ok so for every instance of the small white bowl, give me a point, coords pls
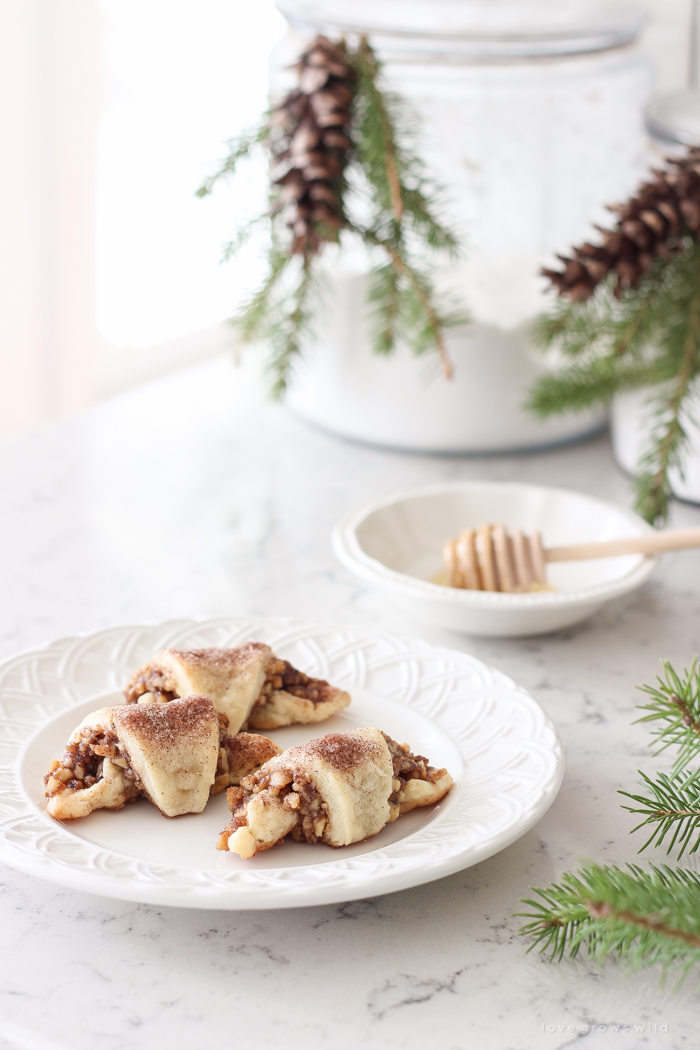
(397, 544)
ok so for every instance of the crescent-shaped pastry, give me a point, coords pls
(175, 754)
(249, 684)
(93, 773)
(338, 789)
(240, 755)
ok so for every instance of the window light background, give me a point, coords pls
(179, 79)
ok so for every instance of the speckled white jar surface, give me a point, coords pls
(532, 128)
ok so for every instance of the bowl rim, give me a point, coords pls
(350, 553)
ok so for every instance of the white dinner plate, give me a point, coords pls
(499, 746)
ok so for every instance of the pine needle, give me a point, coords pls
(419, 316)
(376, 135)
(673, 806)
(253, 317)
(386, 150)
(584, 384)
(385, 296)
(644, 917)
(238, 149)
(669, 437)
(646, 337)
(286, 334)
(674, 711)
(281, 311)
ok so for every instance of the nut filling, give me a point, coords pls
(298, 795)
(81, 765)
(338, 789)
(153, 679)
(222, 781)
(281, 676)
(408, 766)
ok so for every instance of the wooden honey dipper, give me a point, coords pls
(488, 559)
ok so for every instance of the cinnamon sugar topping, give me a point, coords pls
(344, 751)
(158, 724)
(223, 659)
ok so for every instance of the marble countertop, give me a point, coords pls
(191, 496)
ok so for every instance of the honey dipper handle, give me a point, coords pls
(652, 543)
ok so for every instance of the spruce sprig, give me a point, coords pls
(672, 807)
(287, 326)
(239, 149)
(644, 917)
(403, 202)
(643, 337)
(674, 713)
(386, 150)
(386, 201)
(385, 296)
(411, 309)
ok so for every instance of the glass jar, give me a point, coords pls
(531, 118)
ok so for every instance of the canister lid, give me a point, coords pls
(475, 28)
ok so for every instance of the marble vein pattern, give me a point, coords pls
(192, 496)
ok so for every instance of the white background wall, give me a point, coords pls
(111, 112)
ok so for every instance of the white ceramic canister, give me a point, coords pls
(531, 118)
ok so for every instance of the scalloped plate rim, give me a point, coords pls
(224, 893)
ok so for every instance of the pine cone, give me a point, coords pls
(654, 223)
(310, 149)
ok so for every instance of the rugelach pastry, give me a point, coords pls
(174, 754)
(338, 789)
(249, 684)
(240, 755)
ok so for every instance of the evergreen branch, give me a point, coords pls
(573, 327)
(368, 69)
(278, 314)
(638, 315)
(674, 707)
(242, 236)
(653, 485)
(582, 385)
(617, 326)
(286, 335)
(420, 210)
(393, 171)
(365, 149)
(423, 296)
(644, 336)
(646, 917)
(238, 149)
(384, 294)
(253, 317)
(673, 805)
